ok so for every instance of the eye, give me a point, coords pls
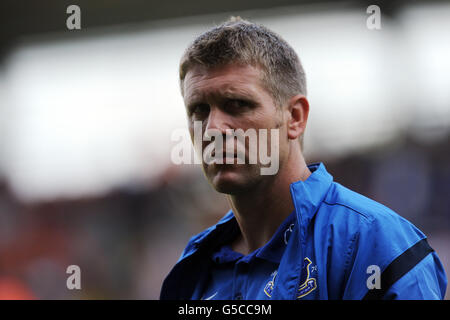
(199, 110)
(236, 104)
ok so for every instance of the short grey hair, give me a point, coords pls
(240, 41)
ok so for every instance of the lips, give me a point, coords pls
(235, 154)
(225, 157)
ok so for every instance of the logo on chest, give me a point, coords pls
(269, 286)
(309, 284)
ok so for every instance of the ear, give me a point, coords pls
(298, 109)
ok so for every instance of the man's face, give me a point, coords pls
(232, 97)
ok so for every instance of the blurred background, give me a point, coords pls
(86, 118)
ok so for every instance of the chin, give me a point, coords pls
(228, 187)
(231, 181)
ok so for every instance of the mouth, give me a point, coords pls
(220, 156)
(227, 159)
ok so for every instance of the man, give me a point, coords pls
(294, 234)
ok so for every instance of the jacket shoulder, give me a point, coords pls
(350, 206)
(369, 233)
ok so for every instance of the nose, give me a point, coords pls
(217, 121)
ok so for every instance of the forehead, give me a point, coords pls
(202, 82)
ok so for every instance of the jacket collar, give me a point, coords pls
(227, 222)
(306, 195)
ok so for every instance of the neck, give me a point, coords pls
(260, 212)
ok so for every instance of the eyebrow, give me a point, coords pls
(231, 93)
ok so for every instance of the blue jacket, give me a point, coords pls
(344, 246)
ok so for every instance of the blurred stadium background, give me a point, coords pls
(86, 118)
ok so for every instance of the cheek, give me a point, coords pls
(199, 144)
(261, 119)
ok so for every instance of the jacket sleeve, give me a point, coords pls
(391, 259)
(425, 281)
